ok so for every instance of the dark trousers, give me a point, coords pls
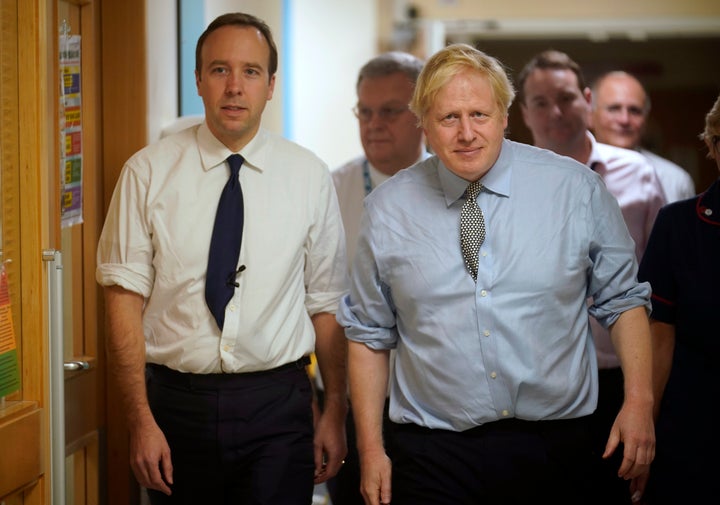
(512, 462)
(614, 490)
(241, 439)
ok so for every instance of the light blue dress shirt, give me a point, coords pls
(517, 343)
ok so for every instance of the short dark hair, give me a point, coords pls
(390, 63)
(239, 19)
(550, 59)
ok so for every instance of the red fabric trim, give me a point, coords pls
(663, 300)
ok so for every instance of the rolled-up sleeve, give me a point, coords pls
(367, 312)
(326, 268)
(125, 252)
(613, 283)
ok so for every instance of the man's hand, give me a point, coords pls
(375, 478)
(150, 457)
(330, 443)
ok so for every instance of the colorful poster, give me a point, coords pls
(9, 364)
(71, 161)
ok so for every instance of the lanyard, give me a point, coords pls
(366, 177)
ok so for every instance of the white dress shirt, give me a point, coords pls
(676, 182)
(156, 238)
(352, 188)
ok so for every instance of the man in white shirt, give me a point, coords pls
(620, 109)
(217, 399)
(389, 134)
(391, 141)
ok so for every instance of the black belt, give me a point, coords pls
(165, 375)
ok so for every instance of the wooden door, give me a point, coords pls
(27, 151)
(82, 349)
(30, 226)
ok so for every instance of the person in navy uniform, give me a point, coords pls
(681, 264)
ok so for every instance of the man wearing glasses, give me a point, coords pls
(389, 133)
(391, 141)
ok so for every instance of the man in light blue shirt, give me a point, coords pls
(495, 376)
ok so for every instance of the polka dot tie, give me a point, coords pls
(472, 228)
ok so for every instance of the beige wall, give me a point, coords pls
(671, 46)
(634, 20)
(563, 9)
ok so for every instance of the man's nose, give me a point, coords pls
(465, 129)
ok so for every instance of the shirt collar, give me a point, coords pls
(214, 153)
(496, 180)
(596, 156)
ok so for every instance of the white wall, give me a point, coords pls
(161, 33)
(332, 39)
(329, 41)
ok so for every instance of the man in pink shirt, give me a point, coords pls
(556, 107)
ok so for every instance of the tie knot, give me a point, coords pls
(235, 161)
(472, 190)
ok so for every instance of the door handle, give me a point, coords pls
(74, 366)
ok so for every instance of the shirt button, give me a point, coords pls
(505, 413)
(483, 254)
(231, 308)
(486, 333)
(483, 293)
(226, 348)
(493, 375)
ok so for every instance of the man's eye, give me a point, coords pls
(365, 113)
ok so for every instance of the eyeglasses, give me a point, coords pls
(385, 114)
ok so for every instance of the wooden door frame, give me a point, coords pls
(21, 413)
(124, 104)
(85, 395)
(35, 151)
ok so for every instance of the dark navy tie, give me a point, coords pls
(222, 268)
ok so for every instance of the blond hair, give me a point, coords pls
(711, 133)
(449, 62)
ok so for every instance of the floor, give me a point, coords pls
(320, 496)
